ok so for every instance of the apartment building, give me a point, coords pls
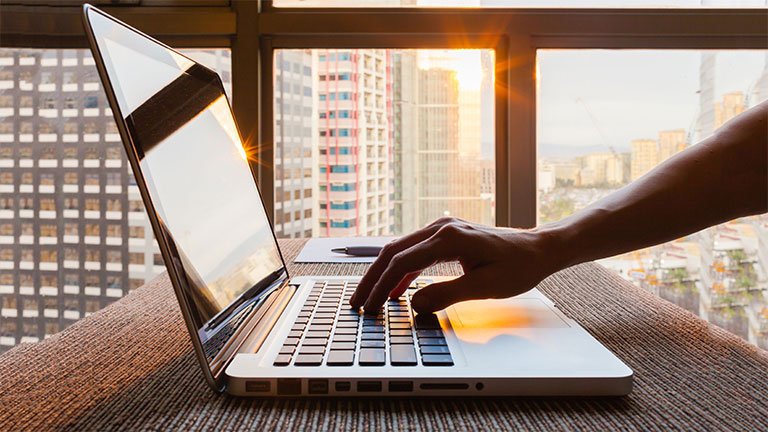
(296, 140)
(355, 175)
(74, 236)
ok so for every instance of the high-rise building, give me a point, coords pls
(295, 135)
(355, 194)
(731, 106)
(706, 118)
(74, 236)
(670, 143)
(601, 169)
(405, 75)
(645, 156)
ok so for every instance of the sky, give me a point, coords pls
(631, 94)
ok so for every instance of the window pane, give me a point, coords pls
(607, 117)
(381, 142)
(71, 218)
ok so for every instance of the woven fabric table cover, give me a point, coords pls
(131, 366)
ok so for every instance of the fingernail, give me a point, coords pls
(420, 303)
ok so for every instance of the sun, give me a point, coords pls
(469, 70)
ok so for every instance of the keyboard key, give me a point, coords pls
(302, 320)
(429, 333)
(372, 357)
(347, 324)
(318, 334)
(372, 336)
(319, 327)
(315, 341)
(344, 338)
(305, 314)
(294, 334)
(435, 349)
(399, 332)
(325, 309)
(398, 313)
(399, 319)
(399, 326)
(337, 346)
(311, 349)
(372, 344)
(308, 360)
(373, 329)
(287, 349)
(322, 321)
(282, 360)
(437, 360)
(428, 321)
(346, 331)
(402, 355)
(349, 311)
(401, 340)
(432, 341)
(291, 341)
(325, 315)
(341, 358)
(350, 318)
(372, 321)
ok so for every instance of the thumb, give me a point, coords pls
(440, 295)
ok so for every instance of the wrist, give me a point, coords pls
(555, 240)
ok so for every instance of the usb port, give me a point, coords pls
(369, 386)
(401, 386)
(318, 386)
(343, 386)
(257, 386)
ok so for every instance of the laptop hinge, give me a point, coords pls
(260, 322)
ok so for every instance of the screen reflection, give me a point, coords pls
(196, 171)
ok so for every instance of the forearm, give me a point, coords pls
(722, 178)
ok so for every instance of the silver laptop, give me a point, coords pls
(258, 332)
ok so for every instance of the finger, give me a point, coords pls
(440, 295)
(406, 282)
(412, 260)
(386, 254)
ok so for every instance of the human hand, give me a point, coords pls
(497, 263)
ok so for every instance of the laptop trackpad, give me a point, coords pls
(514, 313)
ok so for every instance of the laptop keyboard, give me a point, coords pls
(328, 332)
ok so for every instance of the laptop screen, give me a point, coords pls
(197, 174)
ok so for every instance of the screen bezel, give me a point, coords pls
(215, 378)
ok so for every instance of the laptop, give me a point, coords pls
(257, 331)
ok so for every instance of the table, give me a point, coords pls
(130, 366)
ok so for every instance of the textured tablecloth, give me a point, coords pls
(131, 366)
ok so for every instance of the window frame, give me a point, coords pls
(254, 29)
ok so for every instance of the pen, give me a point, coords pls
(363, 251)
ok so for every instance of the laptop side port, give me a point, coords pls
(444, 386)
(401, 386)
(343, 386)
(318, 386)
(288, 386)
(257, 386)
(369, 386)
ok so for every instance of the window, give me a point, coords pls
(70, 229)
(136, 232)
(137, 258)
(47, 205)
(92, 230)
(601, 152)
(48, 230)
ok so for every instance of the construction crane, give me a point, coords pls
(624, 162)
